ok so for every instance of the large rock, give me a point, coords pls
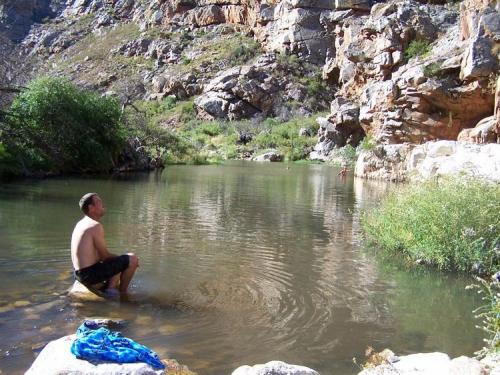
(413, 100)
(56, 359)
(269, 156)
(274, 368)
(432, 159)
(238, 93)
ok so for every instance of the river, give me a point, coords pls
(240, 263)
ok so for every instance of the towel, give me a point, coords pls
(95, 343)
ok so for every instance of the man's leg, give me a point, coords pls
(128, 273)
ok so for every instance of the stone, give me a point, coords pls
(466, 365)
(56, 359)
(79, 292)
(432, 159)
(272, 156)
(274, 368)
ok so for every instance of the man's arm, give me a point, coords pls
(100, 243)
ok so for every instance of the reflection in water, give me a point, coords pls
(240, 264)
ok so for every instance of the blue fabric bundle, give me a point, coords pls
(94, 343)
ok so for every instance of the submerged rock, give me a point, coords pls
(274, 368)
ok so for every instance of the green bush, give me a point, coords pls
(452, 224)
(417, 47)
(245, 51)
(53, 126)
(348, 154)
(433, 69)
(367, 143)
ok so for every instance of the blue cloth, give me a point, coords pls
(94, 343)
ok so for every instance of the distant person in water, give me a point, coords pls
(95, 267)
(343, 172)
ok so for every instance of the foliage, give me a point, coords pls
(367, 143)
(285, 137)
(244, 52)
(53, 126)
(417, 47)
(348, 154)
(453, 224)
(433, 69)
(489, 314)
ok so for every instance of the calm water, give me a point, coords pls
(240, 264)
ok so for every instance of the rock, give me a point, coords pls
(432, 159)
(428, 363)
(269, 156)
(274, 368)
(79, 292)
(56, 358)
(239, 93)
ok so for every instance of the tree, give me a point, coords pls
(54, 126)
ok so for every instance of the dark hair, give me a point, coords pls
(85, 201)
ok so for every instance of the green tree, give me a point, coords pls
(54, 126)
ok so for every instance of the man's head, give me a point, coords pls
(91, 205)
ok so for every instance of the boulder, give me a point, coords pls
(56, 359)
(269, 156)
(274, 368)
(432, 159)
(79, 292)
(238, 93)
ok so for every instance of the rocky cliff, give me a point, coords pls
(398, 71)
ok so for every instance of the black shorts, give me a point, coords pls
(102, 271)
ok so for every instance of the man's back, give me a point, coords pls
(83, 251)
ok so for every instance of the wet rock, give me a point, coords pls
(79, 292)
(274, 368)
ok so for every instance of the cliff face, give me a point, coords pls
(373, 79)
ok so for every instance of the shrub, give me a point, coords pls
(367, 143)
(452, 224)
(241, 53)
(348, 154)
(489, 314)
(433, 69)
(417, 47)
(54, 126)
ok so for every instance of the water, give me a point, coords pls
(239, 264)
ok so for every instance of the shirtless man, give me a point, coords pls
(94, 265)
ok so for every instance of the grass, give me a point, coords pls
(451, 224)
(216, 50)
(489, 314)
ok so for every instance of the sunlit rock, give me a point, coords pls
(427, 363)
(432, 159)
(56, 359)
(79, 292)
(274, 368)
(269, 156)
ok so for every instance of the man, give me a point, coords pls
(95, 267)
